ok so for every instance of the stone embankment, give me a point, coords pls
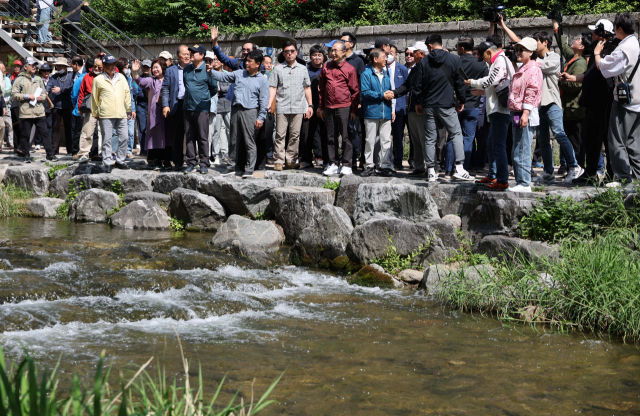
(294, 217)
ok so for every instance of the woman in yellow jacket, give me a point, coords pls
(111, 106)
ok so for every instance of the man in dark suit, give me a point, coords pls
(173, 92)
(399, 75)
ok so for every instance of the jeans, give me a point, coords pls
(43, 16)
(551, 118)
(130, 128)
(114, 127)
(521, 154)
(497, 147)
(468, 122)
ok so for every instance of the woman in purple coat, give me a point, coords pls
(158, 132)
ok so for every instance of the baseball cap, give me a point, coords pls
(210, 55)
(16, 62)
(198, 48)
(30, 61)
(381, 41)
(45, 67)
(419, 46)
(165, 55)
(330, 44)
(608, 26)
(529, 44)
(482, 48)
(146, 62)
(109, 59)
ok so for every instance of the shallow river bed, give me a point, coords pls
(73, 290)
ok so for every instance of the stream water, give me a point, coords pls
(72, 290)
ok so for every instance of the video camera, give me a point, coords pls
(599, 31)
(491, 13)
(556, 12)
(510, 51)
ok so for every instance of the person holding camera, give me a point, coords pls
(624, 125)
(498, 114)
(550, 109)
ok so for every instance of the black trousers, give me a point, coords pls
(41, 128)
(17, 133)
(161, 156)
(310, 142)
(19, 8)
(70, 35)
(57, 116)
(596, 129)
(76, 122)
(177, 136)
(196, 125)
(337, 120)
(37, 139)
(573, 129)
(263, 137)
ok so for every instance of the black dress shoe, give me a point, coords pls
(108, 168)
(53, 158)
(120, 165)
(368, 172)
(417, 172)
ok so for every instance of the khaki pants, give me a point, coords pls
(375, 128)
(86, 136)
(294, 123)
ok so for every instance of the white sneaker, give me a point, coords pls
(546, 178)
(217, 161)
(346, 171)
(37, 147)
(432, 176)
(613, 184)
(574, 172)
(331, 170)
(519, 188)
(463, 175)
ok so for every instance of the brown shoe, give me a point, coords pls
(277, 166)
(292, 166)
(75, 157)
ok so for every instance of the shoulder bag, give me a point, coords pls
(502, 89)
(623, 90)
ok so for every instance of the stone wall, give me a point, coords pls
(402, 35)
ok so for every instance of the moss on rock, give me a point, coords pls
(370, 277)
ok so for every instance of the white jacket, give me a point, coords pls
(500, 69)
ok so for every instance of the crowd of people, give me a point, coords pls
(346, 109)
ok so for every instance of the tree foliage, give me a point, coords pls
(184, 18)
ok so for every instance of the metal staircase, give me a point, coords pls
(20, 33)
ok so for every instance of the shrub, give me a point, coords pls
(54, 168)
(394, 263)
(333, 185)
(176, 224)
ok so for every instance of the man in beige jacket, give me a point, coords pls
(111, 105)
(29, 90)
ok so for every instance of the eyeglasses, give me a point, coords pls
(246, 50)
(208, 60)
(289, 51)
(346, 40)
(408, 54)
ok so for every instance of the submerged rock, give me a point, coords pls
(257, 240)
(92, 205)
(32, 177)
(238, 196)
(295, 207)
(403, 201)
(44, 207)
(373, 276)
(197, 210)
(326, 240)
(144, 215)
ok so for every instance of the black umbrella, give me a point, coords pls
(272, 38)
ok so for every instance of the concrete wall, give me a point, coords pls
(402, 35)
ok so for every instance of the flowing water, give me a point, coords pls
(72, 290)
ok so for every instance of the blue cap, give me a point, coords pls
(45, 67)
(330, 44)
(109, 59)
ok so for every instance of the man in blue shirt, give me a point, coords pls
(251, 96)
(172, 104)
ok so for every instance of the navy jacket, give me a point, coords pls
(400, 77)
(170, 87)
(61, 100)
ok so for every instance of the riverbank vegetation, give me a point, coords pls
(594, 283)
(26, 390)
(13, 201)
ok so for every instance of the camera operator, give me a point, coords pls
(576, 64)
(596, 98)
(499, 116)
(624, 126)
(550, 108)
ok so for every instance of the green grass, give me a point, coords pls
(394, 263)
(333, 185)
(26, 390)
(176, 224)
(62, 212)
(13, 201)
(54, 168)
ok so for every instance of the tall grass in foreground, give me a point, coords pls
(594, 286)
(29, 392)
(13, 201)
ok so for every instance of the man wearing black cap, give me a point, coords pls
(383, 43)
(199, 87)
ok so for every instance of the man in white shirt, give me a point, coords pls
(624, 125)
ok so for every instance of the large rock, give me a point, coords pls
(372, 239)
(289, 178)
(295, 207)
(92, 205)
(515, 249)
(447, 233)
(327, 239)
(373, 275)
(147, 196)
(59, 186)
(32, 177)
(44, 207)
(144, 215)
(258, 240)
(197, 210)
(166, 182)
(131, 181)
(346, 197)
(450, 197)
(398, 200)
(435, 275)
(238, 196)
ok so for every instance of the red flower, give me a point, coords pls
(225, 10)
(250, 2)
(205, 26)
(266, 15)
(217, 4)
(264, 7)
(209, 6)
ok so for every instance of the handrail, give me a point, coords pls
(120, 32)
(82, 31)
(111, 39)
(85, 46)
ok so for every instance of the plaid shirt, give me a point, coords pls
(290, 82)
